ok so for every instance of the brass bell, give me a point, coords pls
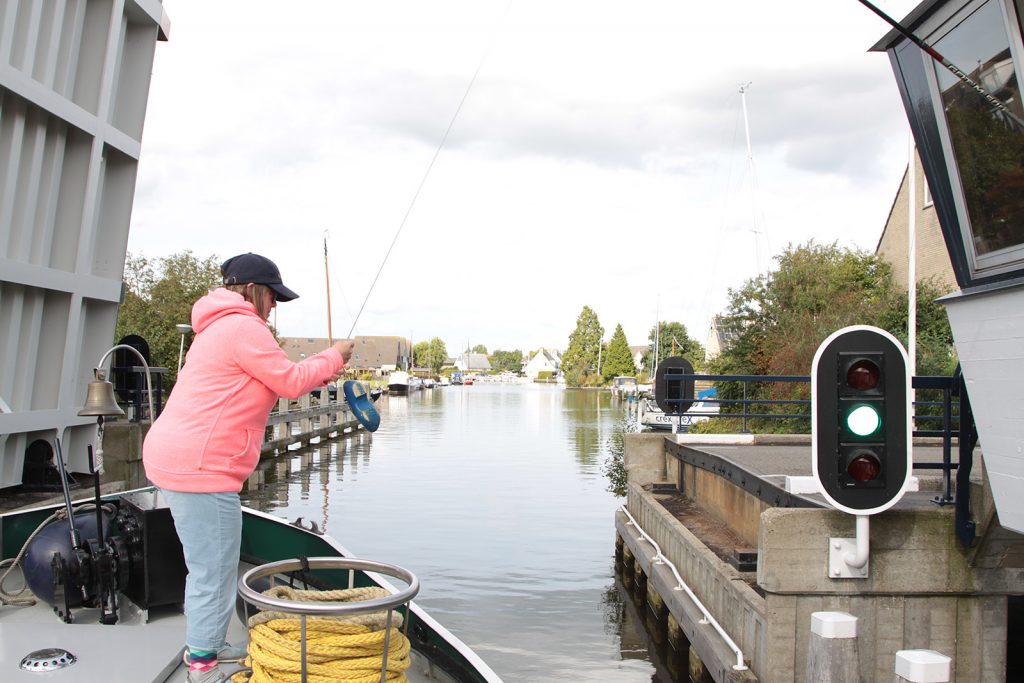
(100, 401)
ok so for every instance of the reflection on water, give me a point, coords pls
(494, 496)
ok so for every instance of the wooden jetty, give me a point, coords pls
(314, 418)
(301, 421)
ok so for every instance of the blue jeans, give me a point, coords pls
(210, 528)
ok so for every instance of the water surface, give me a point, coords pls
(494, 496)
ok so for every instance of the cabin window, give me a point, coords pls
(985, 134)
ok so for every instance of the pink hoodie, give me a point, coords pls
(208, 438)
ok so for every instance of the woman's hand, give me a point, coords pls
(345, 347)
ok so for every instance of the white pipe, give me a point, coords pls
(708, 618)
(912, 264)
(859, 559)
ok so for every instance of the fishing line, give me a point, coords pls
(430, 166)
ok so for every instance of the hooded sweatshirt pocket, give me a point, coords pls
(243, 462)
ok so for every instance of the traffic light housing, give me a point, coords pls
(676, 395)
(861, 420)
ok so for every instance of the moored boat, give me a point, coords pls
(398, 382)
(653, 417)
(624, 386)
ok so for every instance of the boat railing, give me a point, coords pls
(305, 608)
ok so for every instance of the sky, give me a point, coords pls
(525, 159)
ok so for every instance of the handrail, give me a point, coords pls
(253, 597)
(708, 618)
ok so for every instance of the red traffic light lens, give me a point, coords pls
(864, 467)
(863, 374)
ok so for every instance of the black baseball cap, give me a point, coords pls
(260, 270)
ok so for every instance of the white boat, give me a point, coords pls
(624, 386)
(398, 382)
(651, 416)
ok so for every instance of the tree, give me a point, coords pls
(437, 355)
(618, 358)
(431, 354)
(507, 360)
(159, 294)
(421, 354)
(479, 348)
(672, 340)
(580, 359)
(783, 317)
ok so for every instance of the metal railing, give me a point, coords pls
(682, 585)
(958, 423)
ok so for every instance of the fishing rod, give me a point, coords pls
(423, 180)
(934, 54)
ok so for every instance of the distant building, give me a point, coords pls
(298, 348)
(543, 361)
(382, 354)
(638, 355)
(473, 362)
(932, 257)
(378, 354)
(720, 335)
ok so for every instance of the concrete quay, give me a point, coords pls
(711, 506)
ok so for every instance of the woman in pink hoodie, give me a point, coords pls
(207, 440)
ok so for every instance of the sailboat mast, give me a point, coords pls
(327, 279)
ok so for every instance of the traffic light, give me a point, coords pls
(860, 420)
(676, 395)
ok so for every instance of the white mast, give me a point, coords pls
(753, 176)
(912, 261)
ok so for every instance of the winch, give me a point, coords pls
(86, 560)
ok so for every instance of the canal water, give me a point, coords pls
(495, 496)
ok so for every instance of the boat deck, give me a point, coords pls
(137, 649)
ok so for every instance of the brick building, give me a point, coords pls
(932, 257)
(380, 354)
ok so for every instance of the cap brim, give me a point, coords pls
(283, 293)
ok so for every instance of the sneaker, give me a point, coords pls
(214, 675)
(228, 654)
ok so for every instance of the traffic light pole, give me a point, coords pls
(848, 557)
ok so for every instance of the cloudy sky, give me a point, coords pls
(598, 156)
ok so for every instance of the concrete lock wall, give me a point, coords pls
(924, 591)
(736, 607)
(920, 594)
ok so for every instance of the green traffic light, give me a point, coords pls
(863, 420)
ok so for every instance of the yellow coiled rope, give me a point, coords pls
(345, 648)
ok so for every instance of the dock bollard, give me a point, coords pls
(832, 649)
(922, 666)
